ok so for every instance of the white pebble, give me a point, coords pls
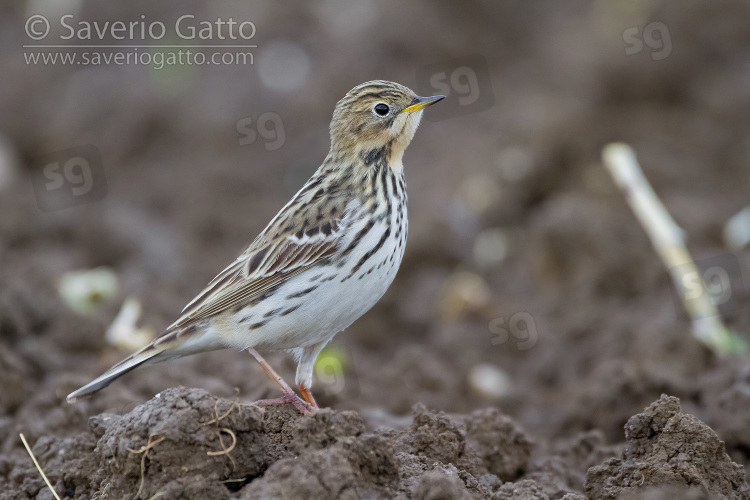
(737, 230)
(489, 381)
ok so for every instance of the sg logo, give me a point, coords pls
(75, 173)
(520, 326)
(464, 81)
(715, 281)
(656, 37)
(269, 126)
(718, 277)
(333, 372)
(68, 178)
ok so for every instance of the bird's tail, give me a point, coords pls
(147, 354)
(173, 344)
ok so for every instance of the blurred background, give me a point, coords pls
(527, 284)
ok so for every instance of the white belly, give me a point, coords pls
(320, 302)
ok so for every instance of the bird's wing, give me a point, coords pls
(282, 251)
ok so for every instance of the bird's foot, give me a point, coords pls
(291, 398)
(309, 407)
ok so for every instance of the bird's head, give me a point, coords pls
(377, 119)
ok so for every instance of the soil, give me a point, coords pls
(559, 365)
(186, 443)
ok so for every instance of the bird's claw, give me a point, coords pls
(302, 406)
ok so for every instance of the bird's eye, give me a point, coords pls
(381, 109)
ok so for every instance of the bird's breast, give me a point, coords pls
(328, 297)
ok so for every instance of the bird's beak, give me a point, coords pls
(422, 102)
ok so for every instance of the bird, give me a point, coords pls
(324, 260)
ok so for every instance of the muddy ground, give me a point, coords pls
(185, 443)
(531, 345)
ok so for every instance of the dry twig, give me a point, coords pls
(668, 241)
(226, 450)
(217, 418)
(33, 458)
(144, 450)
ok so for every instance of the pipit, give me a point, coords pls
(326, 258)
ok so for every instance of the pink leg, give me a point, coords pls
(288, 395)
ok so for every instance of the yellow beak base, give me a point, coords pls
(423, 102)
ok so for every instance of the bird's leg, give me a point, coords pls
(305, 391)
(305, 368)
(270, 371)
(288, 394)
